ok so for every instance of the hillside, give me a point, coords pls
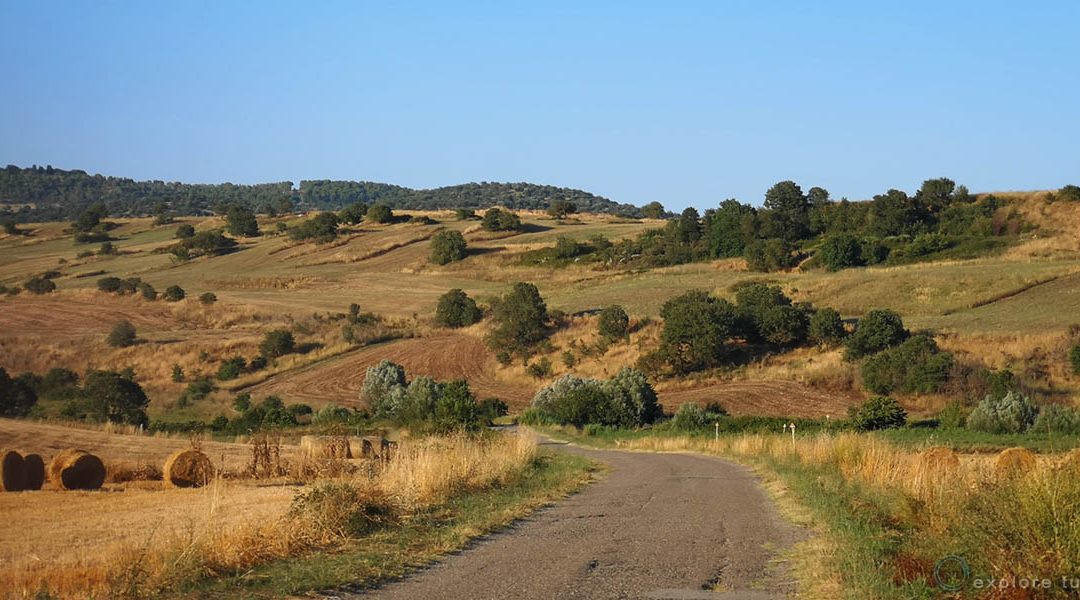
(39, 194)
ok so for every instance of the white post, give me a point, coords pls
(793, 435)
(716, 437)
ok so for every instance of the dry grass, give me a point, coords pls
(138, 542)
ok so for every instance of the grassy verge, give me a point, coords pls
(886, 515)
(394, 552)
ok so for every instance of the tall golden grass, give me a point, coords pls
(422, 474)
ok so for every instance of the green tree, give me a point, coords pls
(791, 210)
(583, 405)
(112, 396)
(207, 298)
(16, 397)
(653, 210)
(1069, 193)
(769, 255)
(278, 342)
(122, 335)
(457, 309)
(321, 228)
(697, 328)
(146, 290)
(457, 408)
(559, 209)
(631, 400)
(520, 319)
(383, 388)
(497, 219)
(421, 398)
(878, 330)
(879, 412)
(379, 213)
(1011, 413)
(566, 248)
(231, 368)
(935, 195)
(240, 221)
(448, 246)
(826, 327)
(185, 231)
(840, 252)
(726, 235)
(614, 323)
(39, 285)
(90, 217)
(916, 365)
(353, 213)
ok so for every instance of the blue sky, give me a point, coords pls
(687, 103)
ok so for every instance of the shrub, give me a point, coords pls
(916, 365)
(540, 368)
(783, 326)
(208, 298)
(559, 209)
(122, 335)
(146, 290)
(566, 247)
(1011, 413)
(383, 388)
(456, 309)
(174, 293)
(203, 243)
(770, 255)
(691, 417)
(321, 228)
(568, 358)
(954, 415)
(185, 231)
(1074, 359)
(447, 246)
(343, 511)
(1069, 193)
(231, 368)
(419, 401)
(1057, 419)
(197, 390)
(879, 412)
(465, 214)
(497, 219)
(632, 399)
(277, 343)
(177, 373)
(241, 221)
(39, 285)
(115, 285)
(493, 408)
(826, 327)
(626, 400)
(520, 317)
(878, 330)
(379, 213)
(582, 405)
(17, 398)
(353, 213)
(614, 323)
(242, 402)
(106, 249)
(697, 328)
(331, 413)
(457, 408)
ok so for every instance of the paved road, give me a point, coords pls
(655, 526)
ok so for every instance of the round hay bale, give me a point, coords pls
(35, 471)
(188, 468)
(12, 471)
(1014, 461)
(76, 470)
(938, 459)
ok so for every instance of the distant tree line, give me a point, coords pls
(47, 194)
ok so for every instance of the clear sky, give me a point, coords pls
(687, 103)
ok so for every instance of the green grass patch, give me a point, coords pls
(391, 554)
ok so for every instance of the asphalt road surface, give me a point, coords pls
(655, 526)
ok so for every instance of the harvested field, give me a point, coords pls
(769, 398)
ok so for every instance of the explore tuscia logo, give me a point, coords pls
(952, 574)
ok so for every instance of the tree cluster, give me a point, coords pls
(625, 400)
(424, 403)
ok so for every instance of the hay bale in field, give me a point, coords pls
(12, 471)
(1014, 462)
(76, 470)
(938, 459)
(326, 446)
(188, 468)
(35, 471)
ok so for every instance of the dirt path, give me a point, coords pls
(656, 526)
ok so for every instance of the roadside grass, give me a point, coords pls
(885, 514)
(421, 540)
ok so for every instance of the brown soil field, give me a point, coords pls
(768, 398)
(443, 357)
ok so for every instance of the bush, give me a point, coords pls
(540, 368)
(185, 231)
(826, 327)
(383, 388)
(614, 323)
(582, 405)
(691, 417)
(497, 219)
(242, 402)
(277, 343)
(456, 309)
(122, 335)
(566, 247)
(353, 213)
(770, 255)
(1011, 413)
(783, 326)
(626, 400)
(331, 413)
(879, 412)
(457, 409)
(878, 330)
(379, 213)
(447, 246)
(174, 293)
(321, 228)
(1069, 193)
(208, 298)
(916, 365)
(1074, 359)
(39, 285)
(632, 399)
(341, 510)
(465, 214)
(954, 415)
(418, 404)
(697, 328)
(177, 373)
(559, 209)
(1057, 419)
(146, 290)
(241, 221)
(231, 368)
(197, 390)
